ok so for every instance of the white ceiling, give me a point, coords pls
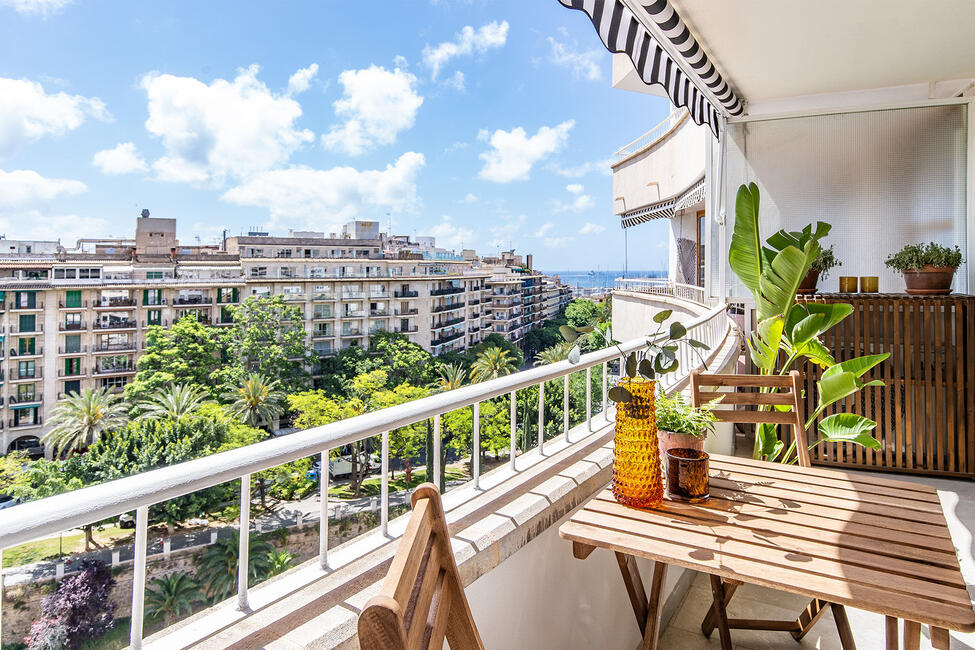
(773, 49)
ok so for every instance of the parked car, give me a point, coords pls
(342, 466)
(126, 520)
(7, 501)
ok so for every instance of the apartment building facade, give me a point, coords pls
(72, 320)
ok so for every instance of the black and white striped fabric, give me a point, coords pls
(621, 31)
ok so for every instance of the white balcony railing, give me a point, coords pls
(55, 514)
(664, 287)
(650, 136)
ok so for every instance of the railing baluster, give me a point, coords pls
(243, 551)
(384, 486)
(605, 384)
(541, 418)
(589, 397)
(476, 446)
(436, 453)
(513, 406)
(139, 577)
(323, 513)
(565, 408)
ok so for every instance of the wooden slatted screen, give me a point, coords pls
(926, 412)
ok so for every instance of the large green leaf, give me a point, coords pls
(767, 443)
(834, 386)
(849, 427)
(806, 329)
(781, 278)
(857, 366)
(745, 253)
(834, 312)
(815, 351)
(764, 343)
(784, 238)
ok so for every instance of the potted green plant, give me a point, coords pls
(819, 269)
(928, 269)
(680, 425)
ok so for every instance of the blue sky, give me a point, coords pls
(485, 123)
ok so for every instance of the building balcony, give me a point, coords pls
(101, 348)
(406, 294)
(193, 300)
(352, 295)
(26, 354)
(378, 312)
(353, 332)
(447, 323)
(24, 424)
(322, 297)
(504, 524)
(81, 305)
(446, 339)
(119, 369)
(323, 316)
(81, 349)
(23, 399)
(450, 307)
(354, 313)
(16, 375)
(406, 312)
(117, 324)
(37, 330)
(37, 306)
(160, 323)
(322, 334)
(78, 372)
(474, 302)
(150, 304)
(446, 291)
(115, 303)
(406, 330)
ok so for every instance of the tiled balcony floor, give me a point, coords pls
(684, 631)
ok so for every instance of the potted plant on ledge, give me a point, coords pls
(819, 270)
(682, 426)
(928, 269)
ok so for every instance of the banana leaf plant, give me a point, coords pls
(659, 357)
(788, 332)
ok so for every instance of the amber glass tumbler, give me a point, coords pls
(637, 479)
(687, 475)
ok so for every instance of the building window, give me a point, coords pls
(27, 345)
(72, 386)
(72, 343)
(72, 299)
(65, 274)
(154, 275)
(25, 369)
(259, 272)
(114, 384)
(72, 366)
(28, 323)
(154, 317)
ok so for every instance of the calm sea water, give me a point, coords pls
(601, 278)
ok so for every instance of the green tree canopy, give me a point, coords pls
(187, 353)
(268, 337)
(79, 420)
(582, 313)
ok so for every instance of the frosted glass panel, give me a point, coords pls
(881, 178)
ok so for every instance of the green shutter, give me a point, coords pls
(27, 323)
(235, 292)
(145, 296)
(72, 299)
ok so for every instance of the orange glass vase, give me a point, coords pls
(637, 476)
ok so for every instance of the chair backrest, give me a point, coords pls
(422, 598)
(782, 390)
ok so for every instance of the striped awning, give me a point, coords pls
(622, 32)
(665, 209)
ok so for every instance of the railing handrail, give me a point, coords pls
(91, 504)
(664, 286)
(650, 136)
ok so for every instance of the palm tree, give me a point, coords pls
(256, 399)
(80, 419)
(175, 402)
(280, 561)
(558, 352)
(217, 567)
(492, 363)
(451, 376)
(172, 595)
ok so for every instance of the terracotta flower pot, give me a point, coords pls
(808, 284)
(670, 440)
(930, 280)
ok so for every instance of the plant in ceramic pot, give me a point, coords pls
(819, 270)
(680, 425)
(637, 475)
(927, 269)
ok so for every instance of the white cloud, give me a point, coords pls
(579, 203)
(399, 61)
(450, 236)
(584, 64)
(309, 197)
(504, 231)
(222, 129)
(470, 198)
(123, 159)
(376, 105)
(513, 153)
(300, 81)
(574, 188)
(456, 81)
(545, 229)
(557, 242)
(590, 228)
(66, 228)
(25, 188)
(28, 113)
(584, 169)
(36, 7)
(455, 146)
(466, 42)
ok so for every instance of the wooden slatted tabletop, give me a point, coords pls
(871, 543)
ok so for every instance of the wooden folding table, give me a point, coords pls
(840, 538)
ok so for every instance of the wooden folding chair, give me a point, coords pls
(422, 598)
(782, 391)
